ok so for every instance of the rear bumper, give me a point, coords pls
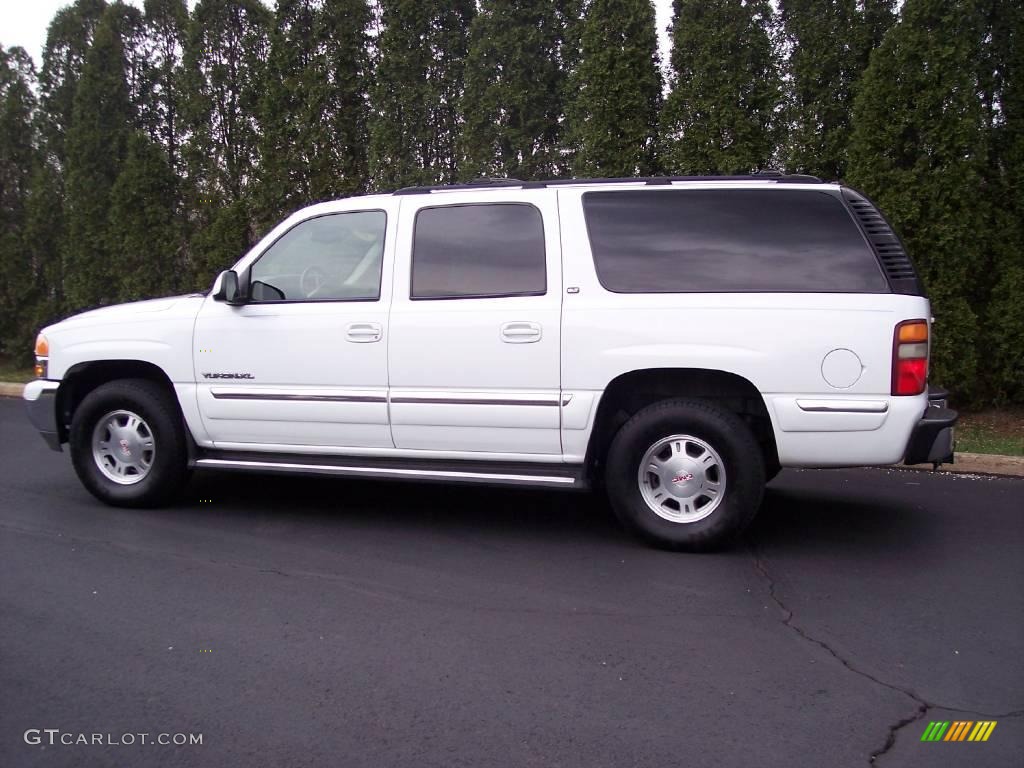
(931, 442)
(41, 400)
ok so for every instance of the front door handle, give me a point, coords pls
(363, 333)
(521, 332)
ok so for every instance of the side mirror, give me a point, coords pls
(226, 288)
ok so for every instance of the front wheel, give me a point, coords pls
(685, 474)
(128, 444)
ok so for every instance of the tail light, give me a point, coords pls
(910, 358)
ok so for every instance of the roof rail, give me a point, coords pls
(777, 176)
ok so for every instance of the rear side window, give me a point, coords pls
(719, 240)
(478, 251)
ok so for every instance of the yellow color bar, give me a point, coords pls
(979, 728)
(988, 731)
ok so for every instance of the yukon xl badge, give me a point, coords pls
(228, 376)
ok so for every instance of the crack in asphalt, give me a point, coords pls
(923, 705)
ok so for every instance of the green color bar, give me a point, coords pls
(926, 736)
(943, 727)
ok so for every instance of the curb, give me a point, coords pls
(8, 389)
(966, 463)
(977, 464)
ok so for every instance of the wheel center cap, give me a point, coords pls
(125, 448)
(683, 479)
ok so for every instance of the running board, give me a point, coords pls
(419, 470)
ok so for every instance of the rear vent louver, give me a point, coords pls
(894, 260)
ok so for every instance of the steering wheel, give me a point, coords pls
(311, 281)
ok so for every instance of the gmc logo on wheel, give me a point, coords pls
(683, 478)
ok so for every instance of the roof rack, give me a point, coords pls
(487, 182)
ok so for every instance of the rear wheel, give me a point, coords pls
(128, 444)
(685, 474)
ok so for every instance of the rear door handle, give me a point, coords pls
(521, 332)
(363, 333)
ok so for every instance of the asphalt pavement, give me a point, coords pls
(299, 622)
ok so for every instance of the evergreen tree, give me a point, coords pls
(222, 87)
(612, 117)
(142, 232)
(96, 145)
(722, 113)
(44, 238)
(415, 123)
(1004, 336)
(919, 148)
(17, 157)
(67, 40)
(512, 103)
(824, 75)
(166, 24)
(315, 105)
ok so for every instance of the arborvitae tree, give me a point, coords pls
(67, 40)
(131, 28)
(222, 87)
(1003, 338)
(166, 24)
(17, 157)
(612, 116)
(43, 241)
(315, 105)
(512, 103)
(418, 83)
(141, 229)
(831, 41)
(722, 113)
(919, 148)
(96, 144)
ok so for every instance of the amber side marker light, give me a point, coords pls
(910, 358)
(42, 355)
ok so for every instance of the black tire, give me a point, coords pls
(722, 431)
(158, 408)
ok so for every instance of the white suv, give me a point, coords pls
(676, 340)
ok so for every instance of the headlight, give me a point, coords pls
(42, 356)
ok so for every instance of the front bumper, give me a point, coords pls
(41, 399)
(931, 442)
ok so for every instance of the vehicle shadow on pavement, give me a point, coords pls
(407, 506)
(810, 514)
(822, 517)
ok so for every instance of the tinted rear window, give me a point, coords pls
(736, 240)
(478, 251)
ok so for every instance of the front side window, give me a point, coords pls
(337, 257)
(478, 251)
(728, 240)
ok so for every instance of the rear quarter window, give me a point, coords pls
(728, 241)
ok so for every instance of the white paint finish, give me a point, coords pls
(791, 417)
(485, 354)
(400, 453)
(836, 405)
(456, 347)
(826, 448)
(157, 332)
(841, 368)
(297, 347)
(776, 341)
(579, 410)
(393, 472)
(33, 390)
(187, 399)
